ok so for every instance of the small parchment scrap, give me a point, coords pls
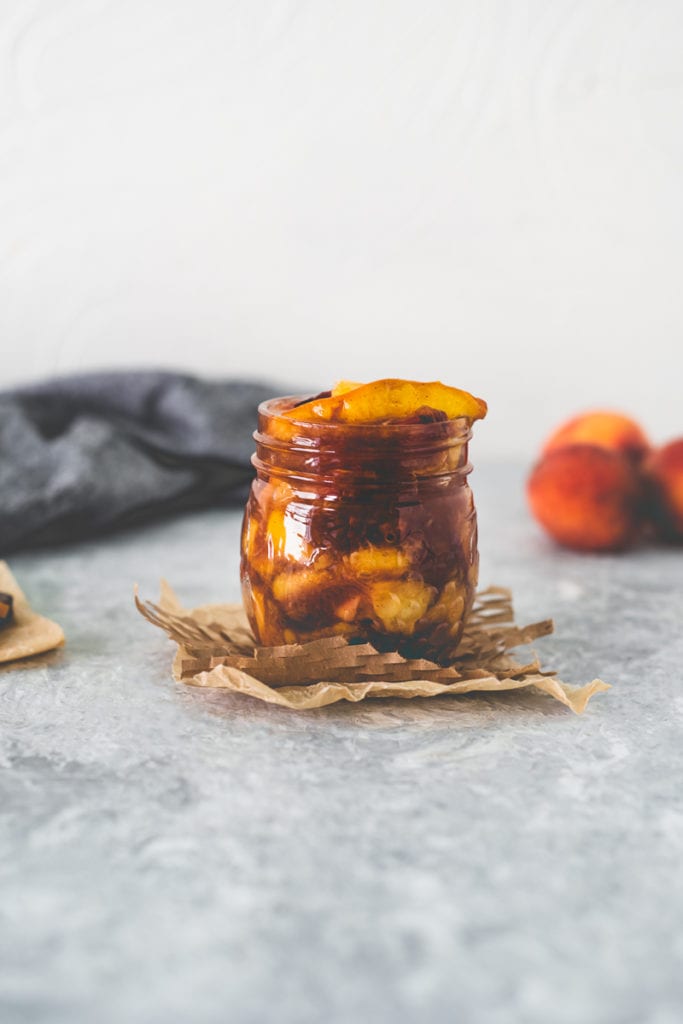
(217, 649)
(28, 633)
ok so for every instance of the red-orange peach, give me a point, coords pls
(664, 470)
(611, 430)
(587, 497)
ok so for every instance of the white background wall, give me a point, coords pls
(489, 192)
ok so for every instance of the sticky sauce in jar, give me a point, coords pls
(367, 530)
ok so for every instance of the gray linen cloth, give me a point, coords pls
(85, 454)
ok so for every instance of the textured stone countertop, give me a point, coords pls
(169, 854)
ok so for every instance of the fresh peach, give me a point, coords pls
(587, 497)
(611, 430)
(664, 471)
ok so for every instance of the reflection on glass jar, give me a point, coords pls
(363, 530)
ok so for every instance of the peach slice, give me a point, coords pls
(343, 386)
(389, 399)
(604, 428)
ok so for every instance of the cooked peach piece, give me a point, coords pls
(664, 471)
(389, 400)
(342, 386)
(375, 561)
(587, 497)
(604, 428)
(255, 608)
(400, 604)
(346, 610)
(450, 607)
(292, 587)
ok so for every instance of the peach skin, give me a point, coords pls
(664, 471)
(586, 497)
(606, 429)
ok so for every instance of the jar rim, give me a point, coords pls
(273, 409)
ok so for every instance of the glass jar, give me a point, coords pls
(363, 530)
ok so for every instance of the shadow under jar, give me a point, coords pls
(364, 530)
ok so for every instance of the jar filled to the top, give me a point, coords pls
(365, 529)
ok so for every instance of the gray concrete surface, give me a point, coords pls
(174, 855)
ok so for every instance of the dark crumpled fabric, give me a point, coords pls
(84, 454)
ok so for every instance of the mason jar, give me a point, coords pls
(367, 531)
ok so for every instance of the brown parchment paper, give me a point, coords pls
(217, 649)
(30, 633)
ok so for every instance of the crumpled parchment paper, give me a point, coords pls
(216, 649)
